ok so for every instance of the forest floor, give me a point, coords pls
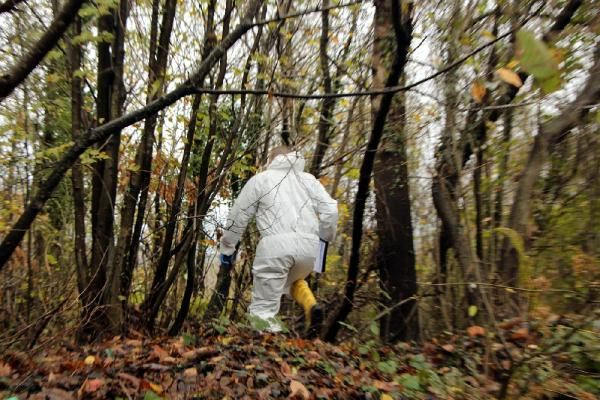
(235, 362)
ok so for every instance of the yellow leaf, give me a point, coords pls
(157, 388)
(386, 396)
(510, 77)
(478, 91)
(488, 35)
(226, 340)
(89, 360)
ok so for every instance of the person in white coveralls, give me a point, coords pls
(293, 211)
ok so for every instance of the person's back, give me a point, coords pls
(292, 210)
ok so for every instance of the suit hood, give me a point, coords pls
(288, 161)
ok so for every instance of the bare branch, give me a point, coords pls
(17, 74)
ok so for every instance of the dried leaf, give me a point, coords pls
(156, 387)
(5, 369)
(475, 330)
(478, 91)
(510, 77)
(190, 373)
(449, 348)
(520, 334)
(386, 396)
(92, 385)
(298, 390)
(385, 386)
(286, 370)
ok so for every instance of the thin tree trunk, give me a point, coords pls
(128, 243)
(81, 263)
(551, 133)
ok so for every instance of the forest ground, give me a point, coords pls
(542, 359)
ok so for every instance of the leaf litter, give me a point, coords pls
(244, 364)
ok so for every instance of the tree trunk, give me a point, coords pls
(81, 263)
(395, 251)
(549, 136)
(403, 30)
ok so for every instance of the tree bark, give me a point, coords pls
(395, 252)
(75, 55)
(403, 35)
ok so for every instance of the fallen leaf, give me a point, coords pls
(226, 340)
(89, 360)
(386, 396)
(5, 369)
(286, 370)
(215, 360)
(478, 91)
(298, 390)
(92, 385)
(520, 334)
(156, 387)
(159, 352)
(449, 348)
(475, 330)
(190, 373)
(510, 77)
(385, 386)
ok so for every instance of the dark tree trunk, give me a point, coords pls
(395, 251)
(75, 54)
(403, 35)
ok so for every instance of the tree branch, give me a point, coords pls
(17, 74)
(9, 5)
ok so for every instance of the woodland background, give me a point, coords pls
(460, 139)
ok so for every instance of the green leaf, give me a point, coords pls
(472, 311)
(537, 60)
(51, 259)
(409, 381)
(189, 340)
(374, 328)
(150, 395)
(388, 367)
(363, 349)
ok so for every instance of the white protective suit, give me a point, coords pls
(293, 210)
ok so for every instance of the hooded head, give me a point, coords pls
(283, 157)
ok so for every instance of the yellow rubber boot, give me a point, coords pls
(312, 311)
(303, 296)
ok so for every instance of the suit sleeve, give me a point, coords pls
(327, 211)
(244, 208)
